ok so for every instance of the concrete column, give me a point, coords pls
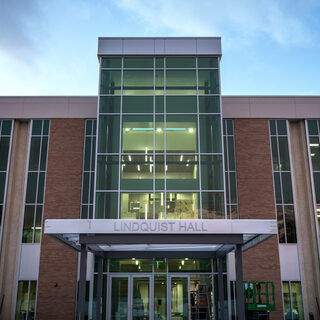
(305, 219)
(239, 284)
(13, 219)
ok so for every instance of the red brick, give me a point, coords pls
(58, 263)
(256, 201)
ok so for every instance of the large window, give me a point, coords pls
(37, 166)
(282, 181)
(314, 152)
(159, 139)
(26, 300)
(5, 144)
(292, 300)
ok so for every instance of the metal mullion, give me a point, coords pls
(120, 140)
(198, 140)
(154, 140)
(165, 133)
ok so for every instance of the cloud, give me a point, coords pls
(20, 23)
(233, 19)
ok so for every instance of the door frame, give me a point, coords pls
(130, 292)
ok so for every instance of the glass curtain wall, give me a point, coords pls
(230, 170)
(282, 181)
(159, 139)
(6, 127)
(37, 166)
(26, 300)
(88, 169)
(292, 300)
(313, 129)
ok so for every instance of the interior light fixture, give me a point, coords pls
(151, 167)
(146, 211)
(159, 130)
(161, 201)
(313, 154)
(138, 166)
(166, 167)
(129, 157)
(190, 130)
(314, 144)
(181, 157)
(127, 129)
(182, 262)
(170, 196)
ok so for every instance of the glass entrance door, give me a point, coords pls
(130, 298)
(179, 297)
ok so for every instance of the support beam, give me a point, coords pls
(239, 283)
(82, 283)
(220, 288)
(99, 288)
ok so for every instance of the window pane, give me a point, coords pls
(286, 300)
(106, 205)
(277, 186)
(290, 224)
(42, 176)
(273, 127)
(210, 134)
(231, 156)
(130, 265)
(2, 187)
(181, 104)
(159, 104)
(297, 302)
(43, 155)
(284, 154)
(159, 62)
(182, 172)
(159, 173)
(31, 187)
(282, 127)
(34, 153)
(159, 205)
(136, 206)
(159, 134)
(137, 134)
(275, 156)
(209, 104)
(213, 205)
(107, 172)
(316, 179)
(4, 152)
(182, 205)
(87, 153)
(111, 63)
(181, 62)
(138, 63)
(27, 233)
(313, 127)
(160, 294)
(137, 104)
(110, 82)
(36, 127)
(211, 172)
(109, 104)
(137, 82)
(181, 134)
(189, 265)
(282, 236)
(207, 62)
(208, 81)
(38, 220)
(22, 299)
(159, 82)
(315, 153)
(181, 81)
(6, 127)
(109, 134)
(287, 187)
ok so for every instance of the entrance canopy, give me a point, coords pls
(152, 238)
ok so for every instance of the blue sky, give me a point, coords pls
(270, 47)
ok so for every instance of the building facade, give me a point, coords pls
(159, 144)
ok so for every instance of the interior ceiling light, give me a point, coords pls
(190, 130)
(127, 129)
(159, 130)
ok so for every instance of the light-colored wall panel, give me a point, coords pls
(289, 262)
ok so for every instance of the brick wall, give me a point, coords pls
(58, 263)
(256, 201)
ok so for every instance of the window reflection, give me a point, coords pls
(136, 206)
(182, 205)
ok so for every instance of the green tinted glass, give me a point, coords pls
(207, 62)
(282, 127)
(130, 265)
(189, 265)
(313, 127)
(107, 172)
(110, 82)
(208, 81)
(6, 127)
(159, 104)
(138, 63)
(182, 205)
(181, 134)
(159, 134)
(160, 292)
(111, 63)
(159, 62)
(181, 104)
(106, 205)
(137, 134)
(136, 206)
(210, 134)
(181, 82)
(109, 104)
(213, 205)
(209, 104)
(159, 82)
(181, 62)
(159, 212)
(211, 172)
(109, 134)
(137, 82)
(315, 153)
(4, 152)
(159, 173)
(137, 104)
